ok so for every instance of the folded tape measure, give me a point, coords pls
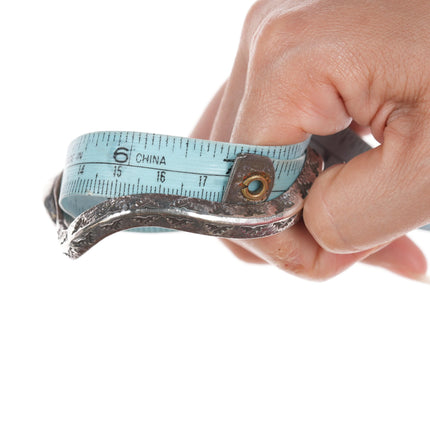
(117, 181)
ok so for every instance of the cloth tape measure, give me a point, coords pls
(113, 164)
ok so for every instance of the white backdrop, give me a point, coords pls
(171, 331)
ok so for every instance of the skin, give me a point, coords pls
(317, 67)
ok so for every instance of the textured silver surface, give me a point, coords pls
(228, 220)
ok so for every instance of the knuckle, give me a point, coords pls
(271, 27)
(285, 253)
(255, 15)
(407, 151)
(278, 27)
(288, 259)
(293, 264)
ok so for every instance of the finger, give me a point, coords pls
(402, 257)
(228, 111)
(263, 118)
(376, 197)
(232, 96)
(222, 126)
(235, 89)
(202, 130)
(283, 104)
(295, 251)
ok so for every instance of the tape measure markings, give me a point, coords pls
(280, 169)
(147, 167)
(105, 164)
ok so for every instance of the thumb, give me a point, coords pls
(377, 196)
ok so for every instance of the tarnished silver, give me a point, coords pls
(231, 218)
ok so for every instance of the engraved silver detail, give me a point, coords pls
(226, 219)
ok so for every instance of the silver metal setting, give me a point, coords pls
(235, 217)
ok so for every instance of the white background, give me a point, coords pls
(171, 331)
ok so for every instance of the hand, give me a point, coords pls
(315, 67)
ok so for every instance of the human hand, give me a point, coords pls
(315, 67)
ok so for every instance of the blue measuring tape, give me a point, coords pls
(109, 164)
